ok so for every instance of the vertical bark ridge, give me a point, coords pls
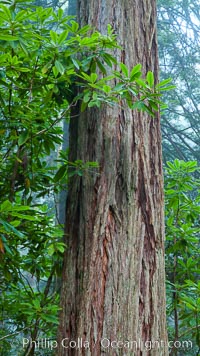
(113, 274)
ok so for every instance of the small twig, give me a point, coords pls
(56, 121)
(15, 333)
(183, 334)
(188, 330)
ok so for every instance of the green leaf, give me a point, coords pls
(119, 87)
(153, 105)
(94, 96)
(23, 137)
(62, 171)
(22, 69)
(50, 318)
(93, 66)
(83, 106)
(75, 62)
(20, 208)
(139, 105)
(107, 89)
(84, 30)
(169, 87)
(85, 76)
(60, 13)
(60, 247)
(87, 97)
(90, 105)
(59, 67)
(74, 26)
(62, 37)
(51, 249)
(101, 66)
(6, 206)
(124, 69)
(54, 36)
(7, 249)
(11, 229)
(36, 303)
(21, 15)
(150, 79)
(93, 77)
(141, 83)
(5, 13)
(24, 217)
(135, 76)
(109, 59)
(128, 99)
(8, 37)
(55, 72)
(136, 69)
(163, 82)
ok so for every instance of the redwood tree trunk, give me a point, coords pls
(113, 284)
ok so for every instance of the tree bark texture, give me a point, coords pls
(113, 276)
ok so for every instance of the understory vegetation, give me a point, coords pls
(47, 66)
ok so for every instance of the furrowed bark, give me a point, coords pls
(113, 274)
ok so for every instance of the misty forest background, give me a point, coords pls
(33, 186)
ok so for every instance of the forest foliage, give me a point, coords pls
(182, 211)
(48, 65)
(178, 39)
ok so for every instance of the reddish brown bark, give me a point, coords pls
(113, 274)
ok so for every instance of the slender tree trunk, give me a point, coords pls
(62, 196)
(65, 145)
(113, 285)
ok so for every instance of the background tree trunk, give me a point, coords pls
(113, 276)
